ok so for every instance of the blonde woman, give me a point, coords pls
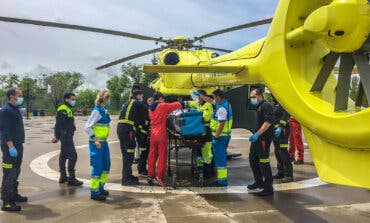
(97, 127)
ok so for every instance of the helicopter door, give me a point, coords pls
(244, 114)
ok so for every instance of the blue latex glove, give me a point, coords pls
(13, 152)
(277, 132)
(196, 93)
(254, 137)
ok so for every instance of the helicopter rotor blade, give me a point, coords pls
(144, 53)
(231, 29)
(344, 81)
(78, 27)
(217, 49)
(321, 79)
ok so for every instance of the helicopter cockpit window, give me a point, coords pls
(214, 55)
(171, 58)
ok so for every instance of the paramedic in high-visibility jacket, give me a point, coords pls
(133, 114)
(63, 132)
(204, 155)
(221, 124)
(97, 127)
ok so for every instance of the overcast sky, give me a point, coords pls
(30, 50)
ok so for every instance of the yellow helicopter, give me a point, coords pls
(296, 61)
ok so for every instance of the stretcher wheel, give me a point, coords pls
(169, 170)
(201, 179)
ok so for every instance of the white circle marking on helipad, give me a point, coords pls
(40, 166)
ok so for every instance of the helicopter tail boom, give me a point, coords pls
(191, 69)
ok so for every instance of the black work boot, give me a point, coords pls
(11, 207)
(255, 185)
(287, 180)
(265, 193)
(299, 162)
(19, 198)
(143, 173)
(99, 197)
(278, 176)
(150, 181)
(72, 181)
(133, 178)
(105, 192)
(129, 182)
(63, 177)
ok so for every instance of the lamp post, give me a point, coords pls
(27, 100)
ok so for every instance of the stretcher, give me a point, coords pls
(182, 134)
(177, 142)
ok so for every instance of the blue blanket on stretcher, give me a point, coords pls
(188, 123)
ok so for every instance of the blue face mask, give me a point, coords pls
(19, 101)
(107, 105)
(72, 103)
(254, 101)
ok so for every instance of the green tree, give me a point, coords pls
(60, 83)
(9, 81)
(133, 72)
(6, 82)
(353, 91)
(85, 100)
(33, 87)
(119, 88)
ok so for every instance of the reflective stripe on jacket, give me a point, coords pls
(226, 131)
(67, 109)
(206, 108)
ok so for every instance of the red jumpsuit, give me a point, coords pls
(295, 139)
(158, 138)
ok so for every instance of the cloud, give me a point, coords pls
(5, 65)
(32, 49)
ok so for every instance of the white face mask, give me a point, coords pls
(254, 101)
(19, 101)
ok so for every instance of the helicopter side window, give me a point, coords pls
(171, 58)
(214, 55)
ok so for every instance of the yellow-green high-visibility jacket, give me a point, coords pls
(101, 128)
(64, 122)
(67, 109)
(206, 108)
(215, 122)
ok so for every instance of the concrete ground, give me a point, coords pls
(306, 200)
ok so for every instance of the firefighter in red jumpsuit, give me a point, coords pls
(295, 141)
(158, 112)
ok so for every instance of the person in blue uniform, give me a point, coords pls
(281, 138)
(12, 139)
(97, 127)
(260, 146)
